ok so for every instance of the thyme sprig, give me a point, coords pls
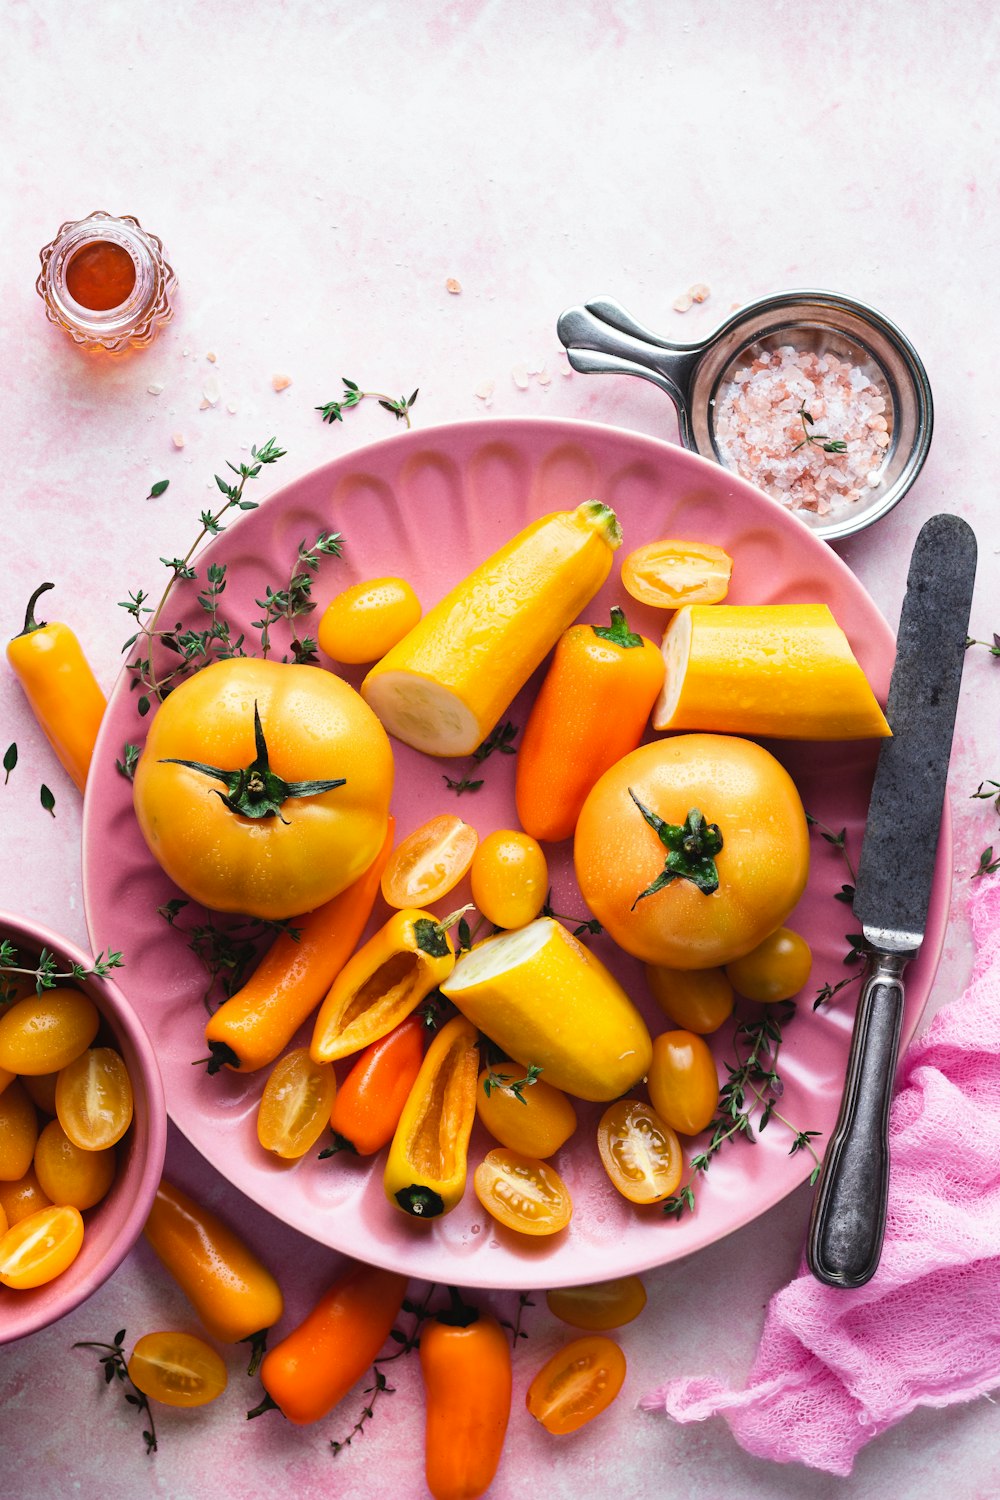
(582, 924)
(216, 639)
(333, 411)
(512, 1085)
(516, 1331)
(752, 1089)
(828, 445)
(46, 973)
(226, 953)
(993, 647)
(9, 761)
(988, 791)
(856, 945)
(407, 1341)
(290, 603)
(116, 1368)
(501, 739)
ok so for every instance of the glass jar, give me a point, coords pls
(105, 282)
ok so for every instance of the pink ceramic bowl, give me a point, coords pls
(114, 1224)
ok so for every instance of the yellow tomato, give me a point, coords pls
(600, 1305)
(670, 573)
(264, 787)
(692, 849)
(368, 619)
(41, 1090)
(429, 862)
(639, 1152)
(296, 1104)
(579, 1382)
(22, 1198)
(535, 1119)
(18, 1132)
(67, 1174)
(775, 970)
(94, 1099)
(523, 1193)
(42, 1033)
(177, 1369)
(696, 999)
(510, 878)
(683, 1082)
(40, 1247)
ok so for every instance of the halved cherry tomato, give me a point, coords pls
(523, 1193)
(510, 876)
(18, 1132)
(682, 1081)
(639, 1152)
(42, 1033)
(177, 1369)
(295, 1105)
(536, 1127)
(670, 573)
(94, 1099)
(22, 1198)
(579, 1382)
(775, 970)
(366, 620)
(695, 999)
(40, 1247)
(600, 1305)
(67, 1174)
(429, 862)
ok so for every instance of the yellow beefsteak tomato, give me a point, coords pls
(264, 787)
(692, 849)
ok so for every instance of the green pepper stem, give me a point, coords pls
(618, 633)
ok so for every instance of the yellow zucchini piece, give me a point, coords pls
(546, 1000)
(447, 683)
(782, 670)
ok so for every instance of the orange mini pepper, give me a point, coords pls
(591, 710)
(234, 1295)
(253, 1026)
(63, 692)
(370, 1100)
(466, 1365)
(315, 1366)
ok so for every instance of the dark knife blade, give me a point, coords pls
(893, 892)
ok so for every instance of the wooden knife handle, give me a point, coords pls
(848, 1217)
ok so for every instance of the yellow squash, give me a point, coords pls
(547, 1001)
(447, 683)
(782, 670)
(427, 1164)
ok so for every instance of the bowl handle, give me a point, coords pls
(602, 337)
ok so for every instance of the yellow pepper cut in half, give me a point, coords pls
(427, 1164)
(549, 1003)
(444, 687)
(382, 984)
(63, 692)
(782, 670)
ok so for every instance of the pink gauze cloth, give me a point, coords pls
(835, 1368)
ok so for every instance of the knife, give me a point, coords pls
(893, 893)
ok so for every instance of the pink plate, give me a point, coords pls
(430, 505)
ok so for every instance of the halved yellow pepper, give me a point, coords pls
(385, 980)
(443, 688)
(782, 670)
(547, 1001)
(427, 1164)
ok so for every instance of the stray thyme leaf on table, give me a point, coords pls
(47, 800)
(115, 1368)
(333, 411)
(159, 488)
(9, 762)
(993, 647)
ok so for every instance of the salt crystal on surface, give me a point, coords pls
(544, 378)
(281, 382)
(231, 408)
(204, 404)
(178, 439)
(683, 303)
(211, 357)
(700, 292)
(484, 390)
(210, 391)
(155, 388)
(453, 286)
(519, 375)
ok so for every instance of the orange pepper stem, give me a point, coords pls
(265, 1404)
(221, 1056)
(618, 632)
(30, 623)
(340, 1143)
(460, 1314)
(258, 1348)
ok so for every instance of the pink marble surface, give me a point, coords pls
(317, 174)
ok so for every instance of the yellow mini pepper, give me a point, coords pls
(385, 980)
(427, 1164)
(63, 692)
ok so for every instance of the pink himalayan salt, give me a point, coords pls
(761, 432)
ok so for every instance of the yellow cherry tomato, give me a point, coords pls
(6, 1077)
(18, 1132)
(670, 573)
(695, 999)
(40, 1247)
(368, 619)
(534, 1119)
(41, 1090)
(510, 878)
(682, 1081)
(22, 1198)
(177, 1369)
(94, 1099)
(775, 970)
(295, 1105)
(42, 1033)
(429, 862)
(68, 1175)
(523, 1193)
(579, 1382)
(600, 1305)
(640, 1153)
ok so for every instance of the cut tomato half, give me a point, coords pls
(429, 862)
